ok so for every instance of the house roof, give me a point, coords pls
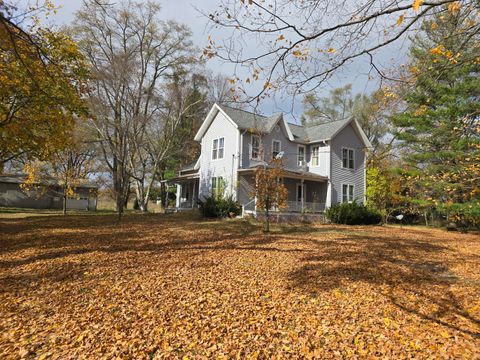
(291, 173)
(20, 179)
(249, 120)
(246, 120)
(189, 167)
(324, 131)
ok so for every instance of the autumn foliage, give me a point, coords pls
(270, 192)
(40, 93)
(164, 287)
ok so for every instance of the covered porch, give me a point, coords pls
(307, 192)
(187, 191)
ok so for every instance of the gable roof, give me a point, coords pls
(249, 120)
(325, 131)
(246, 120)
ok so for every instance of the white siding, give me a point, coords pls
(221, 126)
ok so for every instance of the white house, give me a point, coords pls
(324, 164)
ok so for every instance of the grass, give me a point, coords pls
(176, 286)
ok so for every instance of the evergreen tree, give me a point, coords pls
(439, 129)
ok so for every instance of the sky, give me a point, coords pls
(187, 12)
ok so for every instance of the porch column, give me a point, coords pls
(194, 202)
(179, 194)
(328, 201)
(302, 193)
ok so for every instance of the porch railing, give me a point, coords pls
(297, 206)
(186, 204)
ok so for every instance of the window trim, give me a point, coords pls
(217, 149)
(304, 155)
(318, 156)
(348, 185)
(259, 157)
(279, 146)
(348, 159)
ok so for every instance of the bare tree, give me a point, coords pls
(131, 52)
(297, 45)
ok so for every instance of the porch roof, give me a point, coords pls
(291, 174)
(184, 178)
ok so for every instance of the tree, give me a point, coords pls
(269, 191)
(131, 52)
(371, 111)
(384, 187)
(72, 165)
(65, 169)
(297, 45)
(439, 129)
(41, 92)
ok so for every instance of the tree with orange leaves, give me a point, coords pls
(269, 191)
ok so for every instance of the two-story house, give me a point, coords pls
(324, 164)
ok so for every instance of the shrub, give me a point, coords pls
(219, 207)
(353, 214)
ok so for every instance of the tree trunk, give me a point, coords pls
(64, 205)
(267, 218)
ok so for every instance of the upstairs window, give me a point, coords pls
(301, 155)
(276, 148)
(347, 193)
(256, 147)
(347, 158)
(315, 153)
(218, 148)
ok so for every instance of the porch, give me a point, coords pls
(307, 192)
(187, 192)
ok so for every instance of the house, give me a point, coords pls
(45, 195)
(324, 164)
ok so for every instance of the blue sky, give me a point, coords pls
(186, 11)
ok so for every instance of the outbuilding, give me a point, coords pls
(47, 194)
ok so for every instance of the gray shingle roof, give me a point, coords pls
(189, 167)
(248, 120)
(324, 131)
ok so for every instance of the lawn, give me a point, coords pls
(172, 286)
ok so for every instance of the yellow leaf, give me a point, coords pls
(417, 4)
(400, 20)
(281, 37)
(331, 50)
(445, 334)
(454, 7)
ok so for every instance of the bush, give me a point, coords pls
(219, 207)
(353, 214)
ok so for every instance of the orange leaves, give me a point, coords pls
(400, 20)
(178, 287)
(454, 7)
(416, 4)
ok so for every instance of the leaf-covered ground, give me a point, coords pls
(170, 287)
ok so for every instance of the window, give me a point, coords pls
(256, 144)
(315, 152)
(347, 193)
(218, 148)
(301, 155)
(276, 148)
(347, 158)
(218, 186)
